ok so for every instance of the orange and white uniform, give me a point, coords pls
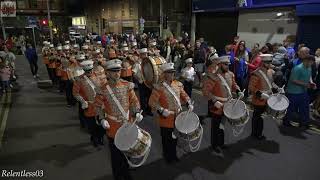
(162, 98)
(45, 55)
(84, 89)
(262, 83)
(123, 91)
(215, 89)
(100, 74)
(126, 71)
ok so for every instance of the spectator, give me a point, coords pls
(255, 62)
(239, 66)
(32, 58)
(188, 74)
(300, 81)
(199, 60)
(5, 74)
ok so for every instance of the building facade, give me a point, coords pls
(122, 16)
(31, 12)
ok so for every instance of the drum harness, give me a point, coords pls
(114, 98)
(192, 148)
(236, 130)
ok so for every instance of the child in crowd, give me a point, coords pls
(5, 74)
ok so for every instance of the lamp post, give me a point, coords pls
(49, 20)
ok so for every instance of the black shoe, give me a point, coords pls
(224, 147)
(94, 142)
(217, 150)
(304, 126)
(261, 137)
(100, 141)
(287, 125)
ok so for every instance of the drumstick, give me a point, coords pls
(238, 98)
(134, 122)
(187, 114)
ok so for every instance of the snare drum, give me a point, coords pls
(189, 128)
(151, 69)
(277, 106)
(134, 142)
(236, 112)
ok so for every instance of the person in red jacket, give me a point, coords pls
(255, 63)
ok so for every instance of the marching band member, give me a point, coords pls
(45, 54)
(260, 87)
(117, 104)
(153, 49)
(85, 49)
(165, 100)
(52, 64)
(126, 71)
(67, 80)
(80, 58)
(84, 90)
(75, 49)
(218, 88)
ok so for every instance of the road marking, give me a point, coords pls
(4, 114)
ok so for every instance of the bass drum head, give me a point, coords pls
(150, 67)
(126, 136)
(234, 111)
(187, 124)
(278, 102)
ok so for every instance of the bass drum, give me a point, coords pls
(151, 69)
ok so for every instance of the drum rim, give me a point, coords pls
(236, 117)
(282, 96)
(180, 119)
(130, 145)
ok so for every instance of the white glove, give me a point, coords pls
(281, 91)
(218, 104)
(84, 105)
(190, 107)
(165, 113)
(139, 117)
(105, 124)
(264, 96)
(241, 95)
(173, 136)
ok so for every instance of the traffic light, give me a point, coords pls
(97, 23)
(104, 23)
(44, 22)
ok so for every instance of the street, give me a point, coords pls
(41, 133)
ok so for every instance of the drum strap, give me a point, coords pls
(173, 94)
(92, 86)
(266, 79)
(225, 84)
(114, 98)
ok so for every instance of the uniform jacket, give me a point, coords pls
(124, 92)
(81, 87)
(214, 89)
(162, 98)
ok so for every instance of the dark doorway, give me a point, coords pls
(218, 29)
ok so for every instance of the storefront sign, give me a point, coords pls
(79, 21)
(8, 8)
